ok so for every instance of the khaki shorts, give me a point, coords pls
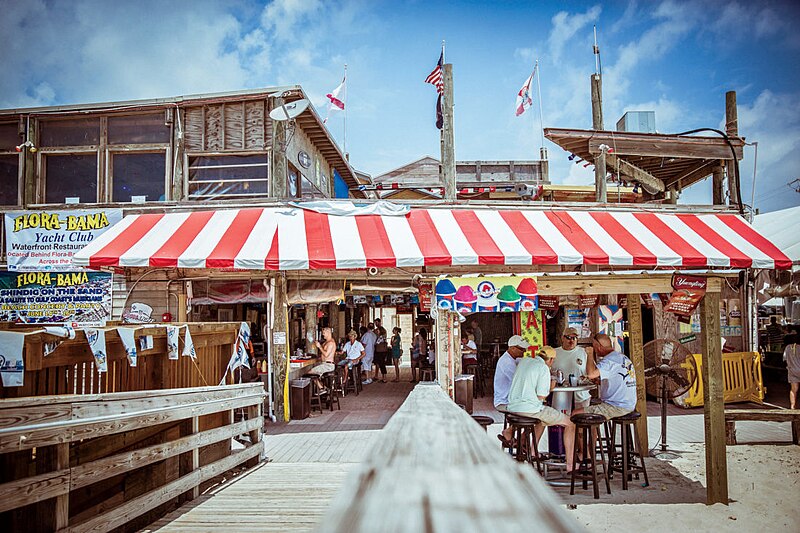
(608, 411)
(548, 416)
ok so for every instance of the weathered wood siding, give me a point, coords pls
(233, 126)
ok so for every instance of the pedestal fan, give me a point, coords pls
(669, 371)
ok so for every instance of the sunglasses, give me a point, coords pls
(571, 337)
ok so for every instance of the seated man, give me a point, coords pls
(327, 351)
(531, 385)
(353, 352)
(504, 371)
(617, 379)
(571, 360)
(469, 351)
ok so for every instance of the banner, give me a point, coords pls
(97, 342)
(425, 297)
(173, 334)
(609, 321)
(42, 240)
(487, 294)
(188, 345)
(76, 298)
(12, 366)
(127, 336)
(689, 290)
(532, 328)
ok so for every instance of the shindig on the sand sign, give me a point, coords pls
(689, 290)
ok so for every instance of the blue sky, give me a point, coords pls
(676, 58)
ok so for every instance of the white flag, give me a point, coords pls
(188, 345)
(524, 100)
(239, 355)
(66, 331)
(97, 343)
(173, 334)
(12, 366)
(334, 102)
(126, 335)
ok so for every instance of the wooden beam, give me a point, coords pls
(280, 352)
(692, 174)
(714, 407)
(636, 340)
(718, 179)
(651, 184)
(448, 137)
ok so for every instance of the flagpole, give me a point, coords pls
(345, 113)
(542, 151)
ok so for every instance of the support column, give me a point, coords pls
(448, 137)
(597, 124)
(311, 328)
(277, 157)
(636, 340)
(714, 408)
(447, 327)
(732, 129)
(280, 350)
(718, 178)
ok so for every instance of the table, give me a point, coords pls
(561, 400)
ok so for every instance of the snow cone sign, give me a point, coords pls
(467, 295)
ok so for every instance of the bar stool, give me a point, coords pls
(319, 397)
(630, 449)
(484, 421)
(330, 379)
(524, 431)
(426, 372)
(605, 437)
(586, 426)
(473, 370)
(354, 379)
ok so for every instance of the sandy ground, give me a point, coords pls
(763, 483)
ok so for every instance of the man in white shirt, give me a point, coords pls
(504, 371)
(617, 379)
(571, 360)
(353, 351)
(368, 340)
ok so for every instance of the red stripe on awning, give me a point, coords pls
(534, 244)
(109, 255)
(375, 242)
(640, 253)
(319, 240)
(430, 243)
(223, 255)
(479, 239)
(690, 257)
(737, 258)
(273, 260)
(167, 255)
(578, 238)
(752, 236)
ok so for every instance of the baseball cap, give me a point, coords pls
(571, 331)
(519, 342)
(546, 352)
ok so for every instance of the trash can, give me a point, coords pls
(463, 391)
(300, 398)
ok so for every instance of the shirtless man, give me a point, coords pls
(327, 351)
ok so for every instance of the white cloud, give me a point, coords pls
(565, 26)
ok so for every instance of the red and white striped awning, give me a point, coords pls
(298, 239)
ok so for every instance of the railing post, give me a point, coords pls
(62, 502)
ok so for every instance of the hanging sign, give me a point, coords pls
(532, 328)
(590, 300)
(41, 240)
(425, 297)
(79, 298)
(647, 300)
(487, 294)
(689, 290)
(549, 303)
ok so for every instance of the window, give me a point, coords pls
(138, 174)
(71, 132)
(70, 175)
(9, 137)
(138, 129)
(9, 179)
(228, 176)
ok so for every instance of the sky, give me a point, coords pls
(672, 57)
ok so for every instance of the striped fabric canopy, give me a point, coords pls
(298, 239)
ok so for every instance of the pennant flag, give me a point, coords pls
(524, 100)
(12, 366)
(239, 355)
(97, 343)
(188, 345)
(336, 103)
(126, 335)
(436, 78)
(173, 334)
(66, 331)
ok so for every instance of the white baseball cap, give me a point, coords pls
(519, 342)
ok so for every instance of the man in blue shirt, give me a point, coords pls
(617, 379)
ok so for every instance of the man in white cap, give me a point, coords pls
(571, 360)
(504, 371)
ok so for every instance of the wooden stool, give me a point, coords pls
(630, 449)
(524, 431)
(354, 379)
(330, 380)
(586, 427)
(605, 437)
(473, 370)
(319, 397)
(484, 421)
(426, 371)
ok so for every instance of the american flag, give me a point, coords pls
(436, 77)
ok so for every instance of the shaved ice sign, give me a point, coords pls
(486, 294)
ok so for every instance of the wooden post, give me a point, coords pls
(597, 124)
(636, 346)
(732, 129)
(718, 178)
(448, 138)
(278, 156)
(714, 409)
(311, 328)
(280, 351)
(190, 461)
(447, 326)
(62, 502)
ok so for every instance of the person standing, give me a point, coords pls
(368, 340)
(381, 351)
(397, 352)
(791, 354)
(571, 360)
(477, 333)
(419, 352)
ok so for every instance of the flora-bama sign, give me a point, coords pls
(47, 240)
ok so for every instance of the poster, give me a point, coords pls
(77, 298)
(47, 240)
(609, 321)
(425, 297)
(97, 343)
(532, 328)
(579, 319)
(12, 366)
(689, 290)
(486, 294)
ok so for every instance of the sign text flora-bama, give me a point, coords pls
(54, 221)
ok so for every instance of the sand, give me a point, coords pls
(763, 483)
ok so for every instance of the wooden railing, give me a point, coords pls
(118, 461)
(432, 468)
